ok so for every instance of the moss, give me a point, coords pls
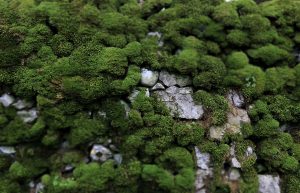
(270, 55)
(267, 126)
(187, 61)
(226, 14)
(237, 60)
(212, 70)
(215, 103)
(238, 38)
(76, 60)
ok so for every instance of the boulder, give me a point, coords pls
(100, 153)
(235, 118)
(268, 184)
(234, 174)
(158, 86)
(7, 150)
(169, 79)
(148, 77)
(28, 116)
(21, 104)
(6, 100)
(136, 92)
(203, 170)
(203, 159)
(180, 102)
(235, 98)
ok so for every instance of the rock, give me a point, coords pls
(7, 150)
(172, 79)
(68, 168)
(157, 34)
(235, 118)
(249, 151)
(217, 132)
(268, 184)
(102, 114)
(235, 163)
(180, 102)
(148, 77)
(204, 171)
(203, 159)
(201, 191)
(6, 99)
(28, 116)
(36, 188)
(21, 104)
(136, 92)
(158, 86)
(235, 98)
(126, 107)
(234, 174)
(200, 179)
(118, 158)
(100, 153)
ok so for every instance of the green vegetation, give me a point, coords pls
(77, 61)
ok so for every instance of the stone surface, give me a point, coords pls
(235, 98)
(204, 172)
(118, 158)
(235, 118)
(6, 100)
(148, 77)
(180, 102)
(136, 92)
(235, 163)
(268, 184)
(234, 174)
(126, 107)
(7, 150)
(28, 116)
(158, 86)
(21, 104)
(171, 79)
(100, 153)
(203, 159)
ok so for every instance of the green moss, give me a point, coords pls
(238, 38)
(270, 55)
(237, 60)
(215, 103)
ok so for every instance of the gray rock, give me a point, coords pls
(235, 163)
(234, 174)
(249, 151)
(136, 92)
(21, 104)
(235, 118)
(6, 99)
(235, 98)
(171, 79)
(100, 153)
(204, 171)
(158, 86)
(118, 158)
(203, 159)
(36, 188)
(180, 102)
(126, 107)
(28, 116)
(155, 34)
(68, 168)
(268, 184)
(7, 150)
(148, 77)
